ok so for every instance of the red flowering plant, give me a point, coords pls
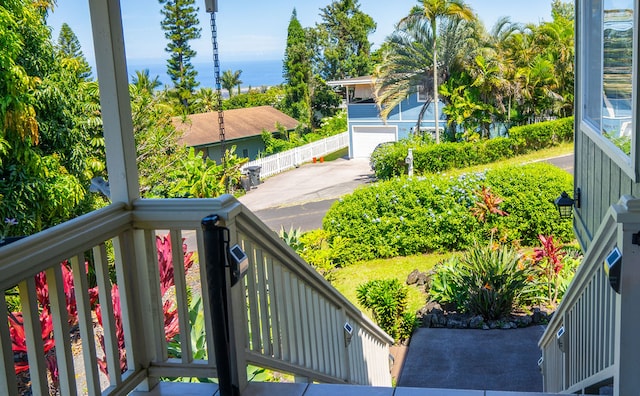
(16, 322)
(549, 260)
(167, 281)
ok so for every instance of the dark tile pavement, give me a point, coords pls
(497, 360)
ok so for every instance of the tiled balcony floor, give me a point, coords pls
(287, 389)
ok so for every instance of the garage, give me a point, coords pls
(365, 138)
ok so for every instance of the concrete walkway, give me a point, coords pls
(498, 360)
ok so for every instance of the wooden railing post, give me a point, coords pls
(627, 341)
(237, 317)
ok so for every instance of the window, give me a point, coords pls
(423, 94)
(607, 37)
(617, 72)
(245, 153)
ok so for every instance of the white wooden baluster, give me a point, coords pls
(33, 334)
(85, 322)
(103, 281)
(8, 384)
(59, 316)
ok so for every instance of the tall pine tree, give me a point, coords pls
(344, 41)
(180, 25)
(297, 72)
(69, 47)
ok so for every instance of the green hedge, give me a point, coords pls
(542, 135)
(388, 160)
(404, 216)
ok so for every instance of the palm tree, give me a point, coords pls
(407, 60)
(432, 11)
(406, 65)
(230, 80)
(143, 81)
(206, 100)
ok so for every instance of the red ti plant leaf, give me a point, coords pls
(165, 262)
(549, 259)
(16, 322)
(549, 251)
(171, 323)
(488, 204)
(117, 313)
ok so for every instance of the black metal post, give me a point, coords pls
(215, 259)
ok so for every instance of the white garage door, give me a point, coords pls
(366, 138)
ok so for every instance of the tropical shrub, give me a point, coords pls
(490, 280)
(542, 135)
(196, 177)
(404, 216)
(444, 287)
(495, 278)
(555, 265)
(388, 160)
(487, 280)
(387, 300)
(291, 238)
(528, 193)
(314, 248)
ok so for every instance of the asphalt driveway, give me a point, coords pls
(309, 183)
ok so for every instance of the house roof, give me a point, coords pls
(202, 129)
(351, 81)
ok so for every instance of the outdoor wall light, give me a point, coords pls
(565, 204)
(348, 333)
(561, 339)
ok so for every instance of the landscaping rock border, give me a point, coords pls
(434, 315)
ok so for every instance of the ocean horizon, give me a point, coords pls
(255, 73)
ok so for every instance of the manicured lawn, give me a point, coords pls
(541, 155)
(349, 278)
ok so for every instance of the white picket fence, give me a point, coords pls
(285, 160)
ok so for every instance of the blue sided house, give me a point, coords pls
(367, 129)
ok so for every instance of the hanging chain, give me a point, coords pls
(216, 68)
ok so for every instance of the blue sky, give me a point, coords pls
(256, 29)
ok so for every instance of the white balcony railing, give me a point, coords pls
(282, 315)
(591, 341)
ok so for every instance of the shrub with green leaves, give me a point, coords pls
(387, 300)
(487, 280)
(314, 248)
(495, 278)
(444, 287)
(542, 135)
(388, 160)
(528, 193)
(404, 216)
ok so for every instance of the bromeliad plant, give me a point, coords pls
(487, 280)
(488, 203)
(496, 278)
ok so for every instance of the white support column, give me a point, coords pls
(628, 342)
(111, 65)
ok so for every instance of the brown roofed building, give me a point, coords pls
(243, 129)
